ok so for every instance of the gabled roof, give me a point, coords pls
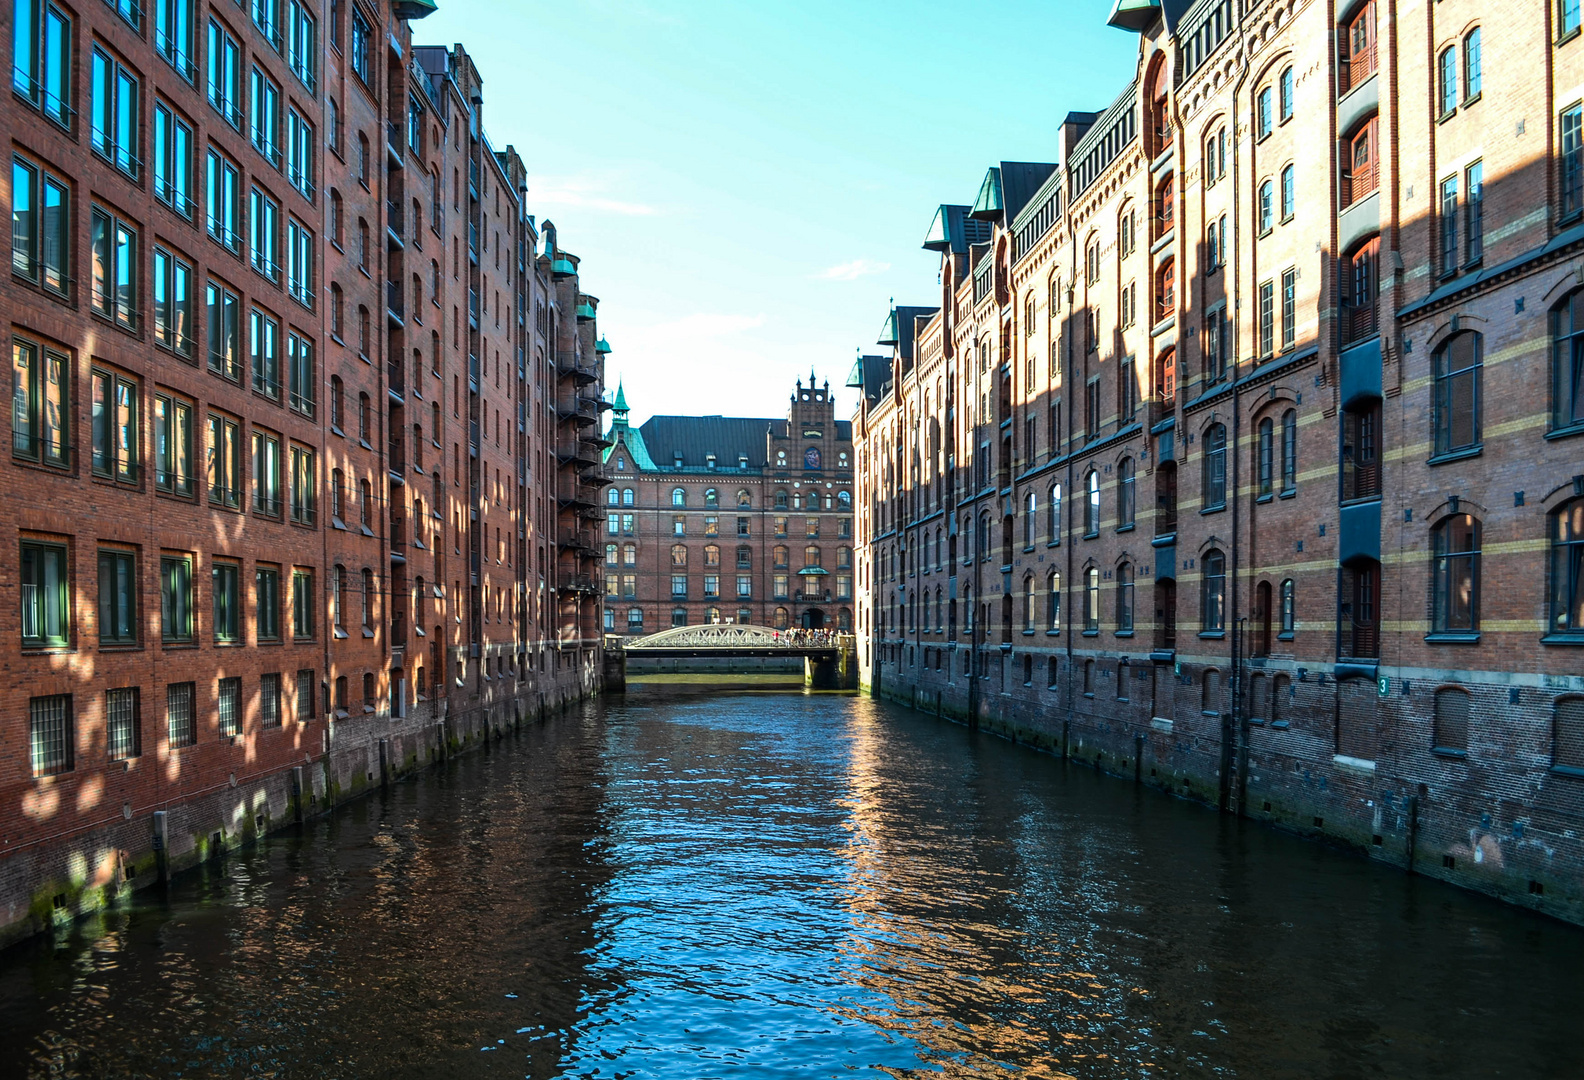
(871, 375)
(729, 438)
(632, 439)
(953, 230)
(899, 327)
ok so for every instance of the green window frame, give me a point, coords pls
(226, 597)
(46, 596)
(266, 584)
(118, 604)
(302, 604)
(176, 607)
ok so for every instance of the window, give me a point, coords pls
(1267, 207)
(266, 585)
(1449, 225)
(225, 462)
(1289, 196)
(1360, 610)
(1447, 81)
(1053, 514)
(179, 726)
(1215, 473)
(360, 46)
(50, 734)
(222, 308)
(300, 156)
(367, 597)
(173, 449)
(116, 440)
(228, 707)
(221, 207)
(1358, 284)
(1053, 602)
(176, 609)
(1092, 506)
(1567, 363)
(225, 74)
(1124, 602)
(40, 227)
(1572, 163)
(1458, 367)
(1091, 612)
(1215, 156)
(1166, 290)
(679, 616)
(264, 217)
(302, 44)
(300, 373)
(266, 117)
(299, 262)
(1455, 569)
(1286, 96)
(1262, 113)
(1567, 18)
(270, 700)
(711, 585)
(1361, 175)
(1267, 318)
(1212, 604)
(1289, 451)
(266, 474)
(1030, 511)
(338, 591)
(1216, 245)
(113, 245)
(264, 338)
(1567, 569)
(1125, 246)
(679, 586)
(1265, 457)
(1217, 343)
(1360, 451)
(41, 60)
(302, 604)
(678, 497)
(227, 602)
(40, 404)
(1287, 623)
(115, 114)
(173, 303)
(123, 724)
(780, 586)
(46, 601)
(1474, 213)
(1125, 498)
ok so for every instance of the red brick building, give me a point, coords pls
(730, 519)
(293, 368)
(1241, 451)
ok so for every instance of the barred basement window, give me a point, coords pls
(228, 706)
(305, 694)
(50, 734)
(123, 724)
(270, 700)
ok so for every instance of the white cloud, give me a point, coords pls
(852, 271)
(586, 192)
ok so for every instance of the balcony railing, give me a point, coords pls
(1358, 323)
(395, 303)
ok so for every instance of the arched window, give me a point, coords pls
(1212, 603)
(612, 497)
(1451, 729)
(1289, 193)
(627, 496)
(1567, 363)
(1262, 619)
(844, 499)
(678, 497)
(1030, 512)
(811, 556)
(1455, 567)
(1053, 514)
(1359, 289)
(744, 499)
(1265, 208)
(629, 554)
(1028, 603)
(1567, 735)
(1359, 64)
(1361, 169)
(711, 497)
(1092, 505)
(1165, 207)
(711, 555)
(1289, 458)
(610, 554)
(1166, 290)
(679, 616)
(1125, 499)
(1361, 473)
(1215, 156)
(1124, 600)
(712, 615)
(1360, 610)
(1288, 600)
(1092, 600)
(635, 620)
(1166, 376)
(1567, 569)
(1053, 601)
(1159, 127)
(778, 556)
(1215, 467)
(1447, 81)
(1285, 84)
(1473, 80)
(678, 555)
(1259, 697)
(1210, 702)
(1264, 456)
(1458, 367)
(983, 539)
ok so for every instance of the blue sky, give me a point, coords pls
(747, 184)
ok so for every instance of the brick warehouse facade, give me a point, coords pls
(304, 401)
(1196, 472)
(730, 519)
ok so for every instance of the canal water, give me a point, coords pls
(734, 883)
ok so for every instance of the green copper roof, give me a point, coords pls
(1134, 15)
(562, 266)
(621, 400)
(602, 347)
(415, 9)
(889, 334)
(585, 312)
(989, 206)
(855, 376)
(939, 236)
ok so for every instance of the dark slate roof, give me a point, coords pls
(872, 375)
(1019, 182)
(696, 437)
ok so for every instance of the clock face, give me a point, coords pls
(811, 458)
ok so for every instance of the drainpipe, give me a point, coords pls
(1238, 721)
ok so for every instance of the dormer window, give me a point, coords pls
(709, 461)
(677, 461)
(621, 463)
(742, 462)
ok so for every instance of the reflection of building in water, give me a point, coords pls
(977, 973)
(1243, 434)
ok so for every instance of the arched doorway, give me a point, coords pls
(813, 619)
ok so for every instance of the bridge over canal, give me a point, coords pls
(830, 660)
